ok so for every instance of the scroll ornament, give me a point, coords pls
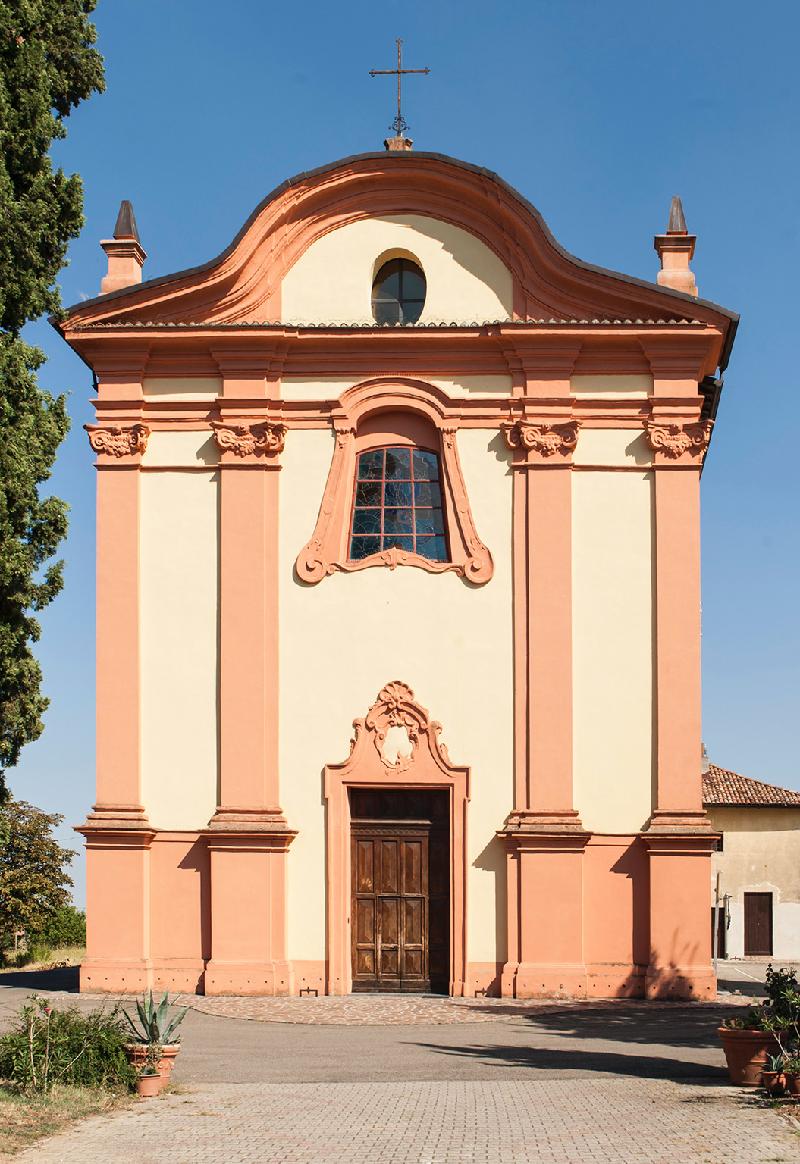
(244, 440)
(118, 440)
(545, 439)
(676, 439)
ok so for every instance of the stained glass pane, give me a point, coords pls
(369, 493)
(370, 465)
(426, 465)
(427, 493)
(398, 464)
(398, 544)
(432, 548)
(367, 521)
(397, 493)
(397, 521)
(363, 547)
(428, 521)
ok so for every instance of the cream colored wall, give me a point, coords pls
(761, 854)
(174, 388)
(612, 648)
(178, 639)
(344, 638)
(624, 386)
(332, 281)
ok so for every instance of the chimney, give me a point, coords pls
(125, 253)
(675, 249)
(704, 761)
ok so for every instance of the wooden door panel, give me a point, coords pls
(389, 876)
(413, 921)
(365, 921)
(365, 866)
(412, 866)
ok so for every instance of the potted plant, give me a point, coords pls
(767, 1029)
(792, 1072)
(149, 1080)
(773, 1079)
(155, 1028)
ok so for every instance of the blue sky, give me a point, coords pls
(598, 113)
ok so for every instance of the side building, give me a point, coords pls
(758, 862)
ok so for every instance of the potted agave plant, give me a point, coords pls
(155, 1042)
(773, 1077)
(765, 1030)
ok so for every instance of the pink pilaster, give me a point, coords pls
(248, 834)
(545, 839)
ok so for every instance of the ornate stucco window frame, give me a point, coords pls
(326, 552)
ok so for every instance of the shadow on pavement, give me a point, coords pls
(608, 1062)
(667, 1024)
(63, 978)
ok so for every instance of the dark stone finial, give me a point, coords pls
(677, 220)
(126, 222)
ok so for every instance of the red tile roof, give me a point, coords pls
(722, 788)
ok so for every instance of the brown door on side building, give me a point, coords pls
(757, 924)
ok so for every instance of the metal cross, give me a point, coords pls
(399, 125)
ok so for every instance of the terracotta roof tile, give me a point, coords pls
(724, 788)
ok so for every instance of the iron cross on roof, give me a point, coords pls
(399, 125)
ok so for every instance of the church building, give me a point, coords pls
(398, 601)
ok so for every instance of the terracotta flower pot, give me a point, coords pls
(137, 1055)
(148, 1086)
(773, 1082)
(746, 1054)
(793, 1082)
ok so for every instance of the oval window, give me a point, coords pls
(398, 292)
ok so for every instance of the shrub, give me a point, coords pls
(66, 927)
(50, 1046)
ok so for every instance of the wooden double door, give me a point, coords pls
(400, 878)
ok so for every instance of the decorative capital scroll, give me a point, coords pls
(673, 440)
(118, 440)
(244, 440)
(544, 439)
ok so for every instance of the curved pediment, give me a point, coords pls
(244, 284)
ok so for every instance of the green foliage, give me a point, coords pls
(34, 883)
(49, 1046)
(155, 1027)
(48, 65)
(67, 927)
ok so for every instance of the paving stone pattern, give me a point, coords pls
(609, 1121)
(371, 1010)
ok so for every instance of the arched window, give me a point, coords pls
(398, 292)
(398, 504)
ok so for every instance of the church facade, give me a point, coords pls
(398, 602)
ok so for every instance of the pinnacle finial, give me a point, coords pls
(126, 222)
(677, 219)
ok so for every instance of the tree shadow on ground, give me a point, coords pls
(581, 1060)
(668, 1024)
(64, 978)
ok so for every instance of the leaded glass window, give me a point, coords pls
(398, 504)
(398, 292)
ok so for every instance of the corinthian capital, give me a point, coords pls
(545, 439)
(674, 440)
(118, 440)
(243, 440)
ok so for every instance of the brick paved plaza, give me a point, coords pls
(433, 1081)
(602, 1121)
